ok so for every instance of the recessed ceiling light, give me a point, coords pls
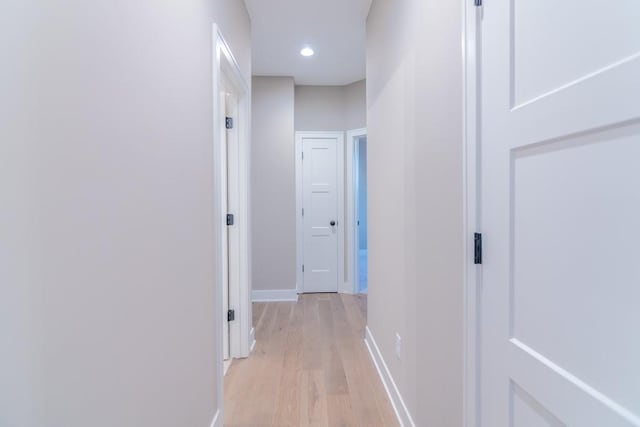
(307, 51)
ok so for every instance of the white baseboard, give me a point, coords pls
(347, 288)
(402, 413)
(217, 420)
(252, 340)
(274, 295)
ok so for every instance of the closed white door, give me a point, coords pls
(320, 214)
(560, 209)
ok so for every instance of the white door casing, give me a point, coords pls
(225, 70)
(321, 183)
(560, 213)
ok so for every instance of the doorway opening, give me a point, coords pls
(233, 326)
(357, 241)
(360, 177)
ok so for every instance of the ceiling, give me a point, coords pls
(334, 29)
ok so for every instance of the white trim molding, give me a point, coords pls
(252, 340)
(217, 419)
(399, 407)
(351, 221)
(340, 188)
(274, 295)
(347, 288)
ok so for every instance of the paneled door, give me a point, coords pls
(560, 213)
(320, 213)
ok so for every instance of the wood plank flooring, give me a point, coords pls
(310, 367)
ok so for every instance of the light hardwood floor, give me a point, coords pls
(310, 366)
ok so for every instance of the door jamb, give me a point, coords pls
(339, 136)
(223, 62)
(352, 237)
(471, 201)
(228, 164)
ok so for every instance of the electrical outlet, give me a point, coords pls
(398, 345)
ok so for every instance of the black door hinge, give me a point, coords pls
(303, 268)
(230, 219)
(229, 122)
(477, 2)
(477, 248)
(231, 315)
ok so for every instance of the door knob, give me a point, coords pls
(332, 223)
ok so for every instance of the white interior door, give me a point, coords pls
(320, 218)
(560, 208)
(225, 228)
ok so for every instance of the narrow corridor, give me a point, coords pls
(310, 367)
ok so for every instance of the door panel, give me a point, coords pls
(320, 203)
(529, 412)
(560, 202)
(575, 256)
(555, 44)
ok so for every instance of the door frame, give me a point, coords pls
(227, 184)
(471, 202)
(240, 331)
(353, 137)
(339, 136)
(472, 16)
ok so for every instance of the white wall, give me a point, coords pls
(355, 102)
(319, 108)
(106, 255)
(331, 108)
(414, 116)
(273, 184)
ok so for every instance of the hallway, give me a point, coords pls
(185, 186)
(310, 366)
